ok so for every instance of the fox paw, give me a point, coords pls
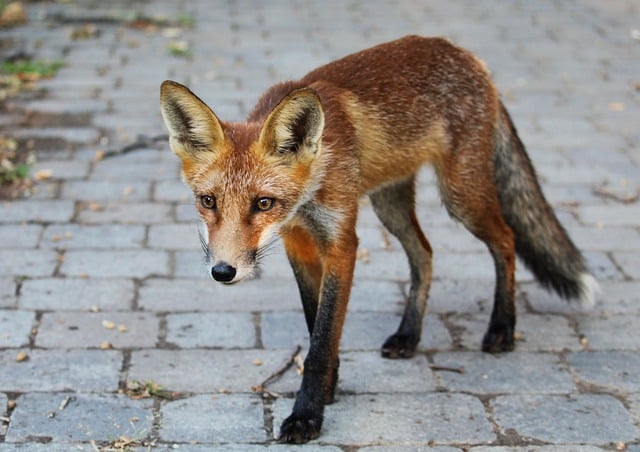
(399, 346)
(297, 430)
(498, 340)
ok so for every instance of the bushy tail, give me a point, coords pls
(541, 241)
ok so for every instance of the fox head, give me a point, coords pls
(248, 178)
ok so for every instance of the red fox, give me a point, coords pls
(364, 125)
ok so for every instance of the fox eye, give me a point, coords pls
(208, 202)
(264, 204)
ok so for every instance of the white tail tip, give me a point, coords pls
(589, 289)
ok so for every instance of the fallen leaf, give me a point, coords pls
(108, 324)
(21, 357)
(43, 174)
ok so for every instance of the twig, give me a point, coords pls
(458, 370)
(627, 198)
(142, 142)
(278, 373)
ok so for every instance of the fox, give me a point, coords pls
(362, 126)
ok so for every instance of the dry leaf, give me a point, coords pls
(108, 324)
(21, 357)
(106, 345)
(43, 174)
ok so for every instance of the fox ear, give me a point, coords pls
(295, 125)
(194, 130)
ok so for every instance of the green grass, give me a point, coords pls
(34, 69)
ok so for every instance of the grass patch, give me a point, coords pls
(31, 70)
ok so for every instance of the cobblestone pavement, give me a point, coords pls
(101, 277)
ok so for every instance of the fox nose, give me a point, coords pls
(223, 272)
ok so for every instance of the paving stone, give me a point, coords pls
(220, 329)
(130, 213)
(116, 170)
(629, 262)
(614, 370)
(79, 417)
(538, 333)
(92, 330)
(217, 418)
(7, 293)
(368, 372)
(506, 373)
(62, 169)
(15, 327)
(29, 263)
(20, 235)
(174, 191)
(619, 332)
(554, 448)
(212, 447)
(180, 295)
(391, 418)
(375, 295)
(115, 263)
(77, 294)
(584, 419)
(609, 215)
(113, 236)
(197, 370)
(45, 447)
(36, 211)
(101, 190)
(60, 370)
(175, 236)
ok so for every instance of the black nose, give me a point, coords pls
(223, 272)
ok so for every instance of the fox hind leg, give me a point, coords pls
(473, 200)
(395, 207)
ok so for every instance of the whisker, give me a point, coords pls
(205, 246)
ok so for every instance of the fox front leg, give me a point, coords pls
(320, 366)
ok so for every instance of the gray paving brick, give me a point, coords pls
(20, 235)
(80, 330)
(219, 329)
(30, 263)
(629, 262)
(113, 236)
(60, 370)
(7, 293)
(77, 294)
(614, 370)
(99, 417)
(130, 213)
(175, 236)
(584, 419)
(115, 263)
(618, 332)
(426, 418)
(206, 295)
(115, 170)
(15, 327)
(515, 372)
(62, 169)
(609, 215)
(374, 295)
(554, 448)
(197, 370)
(538, 333)
(216, 418)
(43, 211)
(368, 372)
(102, 190)
(174, 191)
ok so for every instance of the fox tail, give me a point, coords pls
(541, 241)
